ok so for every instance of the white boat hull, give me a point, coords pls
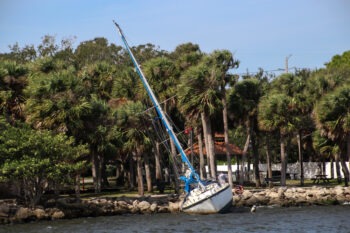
(214, 199)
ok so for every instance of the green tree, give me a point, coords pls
(35, 159)
(339, 61)
(220, 62)
(136, 141)
(97, 50)
(22, 55)
(64, 101)
(13, 80)
(48, 46)
(332, 116)
(186, 55)
(199, 97)
(98, 129)
(274, 115)
(162, 75)
(54, 102)
(244, 99)
(327, 149)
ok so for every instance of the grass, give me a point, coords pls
(296, 183)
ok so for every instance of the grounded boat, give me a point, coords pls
(203, 197)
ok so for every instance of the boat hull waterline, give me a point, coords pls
(214, 199)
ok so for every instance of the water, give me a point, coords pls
(266, 219)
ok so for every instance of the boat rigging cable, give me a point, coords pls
(193, 177)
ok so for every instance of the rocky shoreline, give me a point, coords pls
(67, 208)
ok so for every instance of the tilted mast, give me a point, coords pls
(159, 110)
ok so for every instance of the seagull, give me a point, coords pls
(253, 209)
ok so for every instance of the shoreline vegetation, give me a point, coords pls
(68, 207)
(67, 113)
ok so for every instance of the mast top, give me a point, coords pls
(119, 29)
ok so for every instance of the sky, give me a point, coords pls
(260, 33)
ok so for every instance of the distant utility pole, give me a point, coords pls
(287, 58)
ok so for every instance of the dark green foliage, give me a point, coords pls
(36, 159)
(333, 113)
(93, 94)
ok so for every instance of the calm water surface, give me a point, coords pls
(266, 219)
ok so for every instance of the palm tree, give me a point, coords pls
(274, 115)
(98, 130)
(294, 86)
(53, 98)
(13, 80)
(135, 135)
(328, 149)
(186, 55)
(244, 99)
(332, 116)
(163, 77)
(62, 100)
(220, 62)
(303, 106)
(199, 96)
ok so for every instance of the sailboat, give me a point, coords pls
(202, 196)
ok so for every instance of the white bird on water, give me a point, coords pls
(253, 209)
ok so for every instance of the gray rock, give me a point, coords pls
(23, 214)
(153, 207)
(174, 206)
(57, 215)
(39, 213)
(144, 206)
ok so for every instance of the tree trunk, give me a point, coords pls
(206, 143)
(268, 161)
(77, 186)
(348, 147)
(228, 155)
(255, 148)
(237, 169)
(332, 168)
(148, 173)
(244, 157)
(159, 177)
(96, 172)
(300, 159)
(140, 186)
(248, 168)
(119, 174)
(345, 169)
(211, 147)
(175, 168)
(131, 175)
(104, 177)
(157, 163)
(345, 172)
(348, 150)
(173, 155)
(202, 171)
(337, 168)
(283, 161)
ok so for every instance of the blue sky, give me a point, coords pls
(261, 33)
